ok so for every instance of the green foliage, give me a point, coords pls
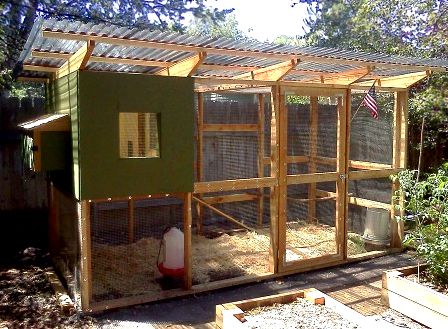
(426, 202)
(17, 18)
(227, 28)
(397, 27)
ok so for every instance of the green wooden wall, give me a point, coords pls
(99, 172)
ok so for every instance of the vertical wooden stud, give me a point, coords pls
(131, 220)
(282, 174)
(312, 168)
(187, 241)
(86, 252)
(274, 193)
(399, 160)
(200, 157)
(260, 163)
(343, 109)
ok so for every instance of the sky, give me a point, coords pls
(266, 19)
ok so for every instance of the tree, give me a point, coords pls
(17, 18)
(397, 27)
(227, 28)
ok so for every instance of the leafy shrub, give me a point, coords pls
(426, 203)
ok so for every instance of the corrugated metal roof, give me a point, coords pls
(255, 54)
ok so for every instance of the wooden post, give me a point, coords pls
(342, 169)
(131, 220)
(312, 168)
(282, 171)
(260, 156)
(399, 160)
(200, 158)
(187, 241)
(86, 254)
(274, 193)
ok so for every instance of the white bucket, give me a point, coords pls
(376, 226)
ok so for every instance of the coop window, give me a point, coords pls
(139, 135)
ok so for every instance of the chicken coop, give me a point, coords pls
(262, 158)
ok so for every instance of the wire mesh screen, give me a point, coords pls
(126, 241)
(312, 134)
(369, 219)
(232, 141)
(311, 218)
(233, 241)
(65, 245)
(371, 139)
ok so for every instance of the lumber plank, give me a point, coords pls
(185, 67)
(371, 174)
(230, 127)
(368, 165)
(187, 241)
(274, 253)
(312, 178)
(270, 73)
(312, 165)
(223, 214)
(342, 148)
(241, 197)
(233, 185)
(260, 162)
(282, 175)
(200, 158)
(86, 258)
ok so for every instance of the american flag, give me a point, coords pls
(369, 101)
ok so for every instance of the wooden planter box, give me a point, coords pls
(414, 300)
(231, 315)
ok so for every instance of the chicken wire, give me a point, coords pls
(125, 253)
(223, 249)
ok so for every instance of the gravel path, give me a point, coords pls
(299, 314)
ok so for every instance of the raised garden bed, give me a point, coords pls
(413, 299)
(289, 310)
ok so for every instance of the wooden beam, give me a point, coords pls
(260, 162)
(33, 79)
(342, 78)
(87, 55)
(86, 254)
(368, 165)
(230, 127)
(187, 241)
(270, 73)
(371, 174)
(312, 166)
(282, 176)
(342, 148)
(200, 158)
(369, 203)
(312, 178)
(38, 68)
(233, 185)
(400, 81)
(185, 67)
(47, 33)
(223, 214)
(230, 198)
(79, 58)
(399, 160)
(275, 231)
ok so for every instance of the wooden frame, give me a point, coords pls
(417, 301)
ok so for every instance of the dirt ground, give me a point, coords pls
(27, 299)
